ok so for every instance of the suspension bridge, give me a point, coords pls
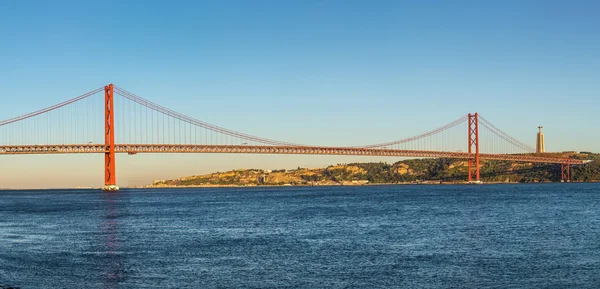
(122, 122)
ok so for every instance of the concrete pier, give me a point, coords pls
(110, 188)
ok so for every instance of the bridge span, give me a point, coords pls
(278, 150)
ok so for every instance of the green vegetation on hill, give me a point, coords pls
(406, 171)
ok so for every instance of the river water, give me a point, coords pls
(500, 236)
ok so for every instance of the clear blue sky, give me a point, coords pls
(373, 71)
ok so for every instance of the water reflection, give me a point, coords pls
(113, 264)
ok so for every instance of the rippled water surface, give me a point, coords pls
(508, 236)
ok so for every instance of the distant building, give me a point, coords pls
(539, 144)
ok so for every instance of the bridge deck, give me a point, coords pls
(247, 149)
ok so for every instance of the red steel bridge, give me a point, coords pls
(90, 123)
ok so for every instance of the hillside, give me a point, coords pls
(406, 171)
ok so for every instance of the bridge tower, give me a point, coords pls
(473, 161)
(110, 178)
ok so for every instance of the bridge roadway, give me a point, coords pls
(249, 149)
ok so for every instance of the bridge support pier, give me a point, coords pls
(110, 188)
(110, 180)
(565, 171)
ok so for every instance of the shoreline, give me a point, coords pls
(296, 186)
(340, 185)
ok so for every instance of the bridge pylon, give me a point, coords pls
(565, 171)
(110, 177)
(473, 156)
